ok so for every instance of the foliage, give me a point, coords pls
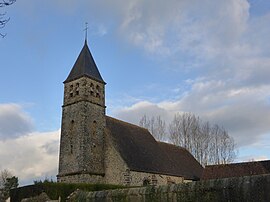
(54, 190)
(249, 188)
(7, 182)
(46, 180)
(3, 19)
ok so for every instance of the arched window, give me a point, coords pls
(71, 91)
(92, 89)
(97, 91)
(71, 130)
(94, 133)
(71, 147)
(77, 88)
(94, 127)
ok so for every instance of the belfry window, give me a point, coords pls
(77, 88)
(97, 91)
(91, 89)
(71, 91)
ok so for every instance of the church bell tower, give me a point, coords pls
(81, 158)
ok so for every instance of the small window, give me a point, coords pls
(127, 177)
(91, 89)
(94, 128)
(97, 91)
(71, 91)
(77, 88)
(71, 148)
(154, 180)
(170, 181)
(146, 182)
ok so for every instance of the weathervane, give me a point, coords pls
(86, 29)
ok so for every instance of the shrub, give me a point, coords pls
(54, 190)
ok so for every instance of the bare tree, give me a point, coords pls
(3, 19)
(7, 182)
(227, 148)
(204, 140)
(155, 125)
(208, 144)
(4, 175)
(160, 128)
(183, 130)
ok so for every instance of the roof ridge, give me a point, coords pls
(171, 144)
(238, 163)
(127, 123)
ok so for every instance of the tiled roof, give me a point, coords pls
(143, 153)
(236, 170)
(185, 163)
(84, 66)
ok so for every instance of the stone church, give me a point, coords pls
(96, 148)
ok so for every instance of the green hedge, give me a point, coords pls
(54, 190)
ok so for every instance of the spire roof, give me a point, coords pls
(84, 66)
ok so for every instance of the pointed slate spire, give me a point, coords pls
(84, 66)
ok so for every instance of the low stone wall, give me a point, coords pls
(248, 189)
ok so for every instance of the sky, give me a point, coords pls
(210, 58)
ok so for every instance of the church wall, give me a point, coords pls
(81, 139)
(117, 171)
(82, 178)
(82, 132)
(84, 88)
(115, 166)
(143, 178)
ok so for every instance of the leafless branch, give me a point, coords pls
(155, 125)
(208, 144)
(3, 19)
(4, 3)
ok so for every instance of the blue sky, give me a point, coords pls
(207, 57)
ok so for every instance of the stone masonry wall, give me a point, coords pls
(248, 189)
(117, 172)
(82, 178)
(141, 178)
(82, 132)
(114, 164)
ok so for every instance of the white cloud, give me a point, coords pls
(31, 157)
(244, 112)
(231, 51)
(28, 155)
(14, 121)
(218, 40)
(203, 29)
(135, 112)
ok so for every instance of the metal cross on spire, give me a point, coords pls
(86, 29)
